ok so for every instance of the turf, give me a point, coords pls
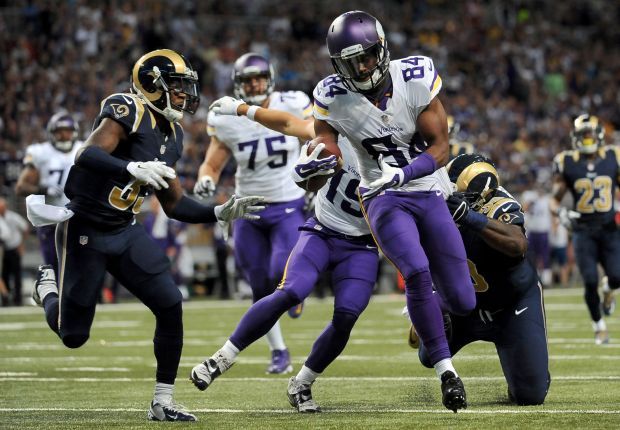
(377, 383)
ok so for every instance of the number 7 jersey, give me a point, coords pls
(392, 131)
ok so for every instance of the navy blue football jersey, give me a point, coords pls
(592, 182)
(101, 199)
(498, 279)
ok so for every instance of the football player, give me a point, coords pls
(385, 109)
(509, 311)
(591, 172)
(336, 238)
(46, 167)
(264, 161)
(136, 141)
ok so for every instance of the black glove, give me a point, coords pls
(459, 208)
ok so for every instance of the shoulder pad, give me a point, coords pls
(325, 93)
(125, 108)
(420, 71)
(297, 101)
(559, 161)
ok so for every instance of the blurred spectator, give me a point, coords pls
(558, 239)
(538, 226)
(13, 244)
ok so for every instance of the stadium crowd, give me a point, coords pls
(515, 73)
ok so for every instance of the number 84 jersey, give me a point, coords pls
(265, 158)
(388, 129)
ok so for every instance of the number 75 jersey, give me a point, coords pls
(265, 158)
(390, 132)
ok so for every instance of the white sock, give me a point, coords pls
(599, 325)
(163, 393)
(274, 337)
(306, 375)
(229, 351)
(443, 366)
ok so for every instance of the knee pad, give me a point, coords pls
(343, 321)
(288, 297)
(74, 340)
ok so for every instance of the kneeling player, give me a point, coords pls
(509, 309)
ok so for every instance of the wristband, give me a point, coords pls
(251, 112)
(423, 165)
(475, 221)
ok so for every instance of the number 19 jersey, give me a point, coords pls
(391, 132)
(265, 158)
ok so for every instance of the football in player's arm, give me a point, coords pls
(591, 172)
(509, 310)
(136, 141)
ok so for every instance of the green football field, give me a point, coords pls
(376, 383)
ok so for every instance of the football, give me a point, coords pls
(315, 183)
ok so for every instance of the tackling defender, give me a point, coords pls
(264, 161)
(136, 138)
(510, 310)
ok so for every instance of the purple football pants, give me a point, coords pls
(416, 233)
(262, 246)
(353, 262)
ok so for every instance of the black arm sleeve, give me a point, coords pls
(96, 159)
(189, 210)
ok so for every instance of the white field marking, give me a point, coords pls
(14, 326)
(515, 411)
(92, 369)
(244, 304)
(279, 379)
(18, 374)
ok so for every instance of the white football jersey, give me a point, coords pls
(265, 158)
(336, 205)
(391, 132)
(53, 166)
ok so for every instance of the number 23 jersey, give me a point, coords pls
(265, 158)
(391, 132)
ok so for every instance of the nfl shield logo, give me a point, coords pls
(385, 119)
(162, 149)
(83, 240)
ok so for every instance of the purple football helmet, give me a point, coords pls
(358, 50)
(248, 66)
(62, 120)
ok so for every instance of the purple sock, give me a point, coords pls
(425, 314)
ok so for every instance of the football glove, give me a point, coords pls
(226, 106)
(390, 177)
(238, 207)
(152, 173)
(311, 165)
(567, 217)
(205, 187)
(459, 208)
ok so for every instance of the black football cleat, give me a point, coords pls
(453, 392)
(169, 412)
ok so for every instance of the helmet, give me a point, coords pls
(159, 73)
(354, 39)
(475, 177)
(453, 127)
(62, 120)
(587, 134)
(248, 66)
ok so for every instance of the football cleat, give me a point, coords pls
(601, 337)
(300, 397)
(609, 300)
(46, 282)
(413, 340)
(280, 362)
(203, 374)
(296, 311)
(453, 391)
(169, 412)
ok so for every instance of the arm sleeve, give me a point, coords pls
(96, 159)
(189, 210)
